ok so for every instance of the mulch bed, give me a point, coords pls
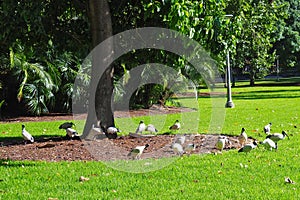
(60, 148)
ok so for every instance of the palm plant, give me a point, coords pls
(35, 83)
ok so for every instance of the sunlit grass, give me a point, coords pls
(231, 175)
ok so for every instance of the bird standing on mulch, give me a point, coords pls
(136, 152)
(72, 134)
(222, 141)
(112, 132)
(243, 137)
(26, 135)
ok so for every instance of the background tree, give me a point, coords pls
(288, 44)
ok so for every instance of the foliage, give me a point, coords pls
(260, 20)
(35, 83)
(288, 45)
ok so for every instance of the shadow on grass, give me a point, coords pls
(268, 94)
(11, 163)
(9, 141)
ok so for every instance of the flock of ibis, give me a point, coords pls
(181, 145)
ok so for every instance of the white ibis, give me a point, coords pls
(151, 128)
(248, 147)
(269, 144)
(189, 148)
(243, 137)
(267, 128)
(112, 132)
(180, 139)
(26, 135)
(222, 141)
(136, 152)
(175, 126)
(66, 125)
(178, 149)
(278, 136)
(141, 127)
(71, 133)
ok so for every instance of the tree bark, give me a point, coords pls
(101, 29)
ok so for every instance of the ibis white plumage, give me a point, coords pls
(243, 137)
(189, 148)
(112, 132)
(71, 133)
(141, 127)
(26, 135)
(178, 149)
(248, 147)
(136, 152)
(180, 139)
(278, 136)
(151, 128)
(267, 128)
(222, 141)
(175, 126)
(269, 144)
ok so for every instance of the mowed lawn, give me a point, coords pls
(258, 175)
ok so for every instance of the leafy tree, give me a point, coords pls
(288, 45)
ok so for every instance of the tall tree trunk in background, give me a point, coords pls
(101, 29)
(252, 75)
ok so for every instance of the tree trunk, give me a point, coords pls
(252, 76)
(101, 29)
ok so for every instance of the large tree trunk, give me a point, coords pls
(101, 29)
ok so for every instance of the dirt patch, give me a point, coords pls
(59, 148)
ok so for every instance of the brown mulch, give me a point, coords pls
(60, 148)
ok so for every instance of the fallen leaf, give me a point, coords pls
(82, 179)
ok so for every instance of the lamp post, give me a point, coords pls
(229, 103)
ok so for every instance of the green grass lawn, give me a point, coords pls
(231, 175)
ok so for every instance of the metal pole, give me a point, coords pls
(229, 103)
(277, 68)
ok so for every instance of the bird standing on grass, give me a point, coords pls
(278, 136)
(243, 137)
(267, 128)
(136, 152)
(26, 135)
(269, 144)
(248, 147)
(141, 127)
(222, 141)
(175, 126)
(151, 128)
(66, 125)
